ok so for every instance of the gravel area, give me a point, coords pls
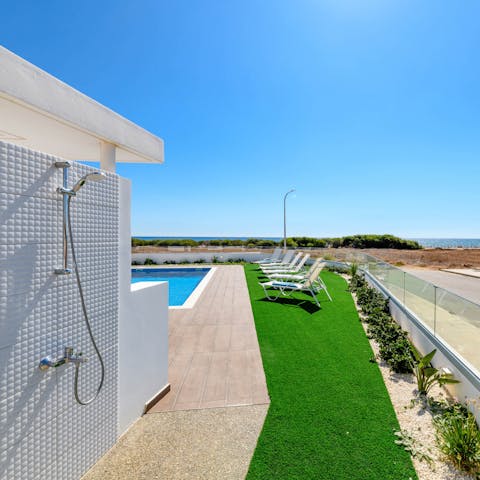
(416, 420)
(208, 444)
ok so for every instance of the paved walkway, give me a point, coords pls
(214, 357)
(214, 363)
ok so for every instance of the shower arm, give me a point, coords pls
(65, 193)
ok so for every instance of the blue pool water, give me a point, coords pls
(181, 281)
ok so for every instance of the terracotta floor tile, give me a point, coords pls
(214, 357)
(216, 384)
(206, 339)
(193, 385)
(239, 389)
(223, 334)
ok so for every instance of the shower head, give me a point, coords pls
(94, 177)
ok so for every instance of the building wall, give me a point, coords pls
(44, 433)
(143, 330)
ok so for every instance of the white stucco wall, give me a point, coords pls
(143, 330)
(143, 349)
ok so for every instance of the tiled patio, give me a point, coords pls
(214, 357)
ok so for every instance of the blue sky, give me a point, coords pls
(370, 109)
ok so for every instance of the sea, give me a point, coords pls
(425, 242)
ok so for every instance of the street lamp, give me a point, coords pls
(285, 218)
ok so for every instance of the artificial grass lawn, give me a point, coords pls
(330, 415)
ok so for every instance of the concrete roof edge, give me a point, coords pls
(27, 84)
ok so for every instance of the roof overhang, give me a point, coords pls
(39, 111)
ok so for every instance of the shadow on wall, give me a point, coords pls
(28, 394)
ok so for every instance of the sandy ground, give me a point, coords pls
(436, 258)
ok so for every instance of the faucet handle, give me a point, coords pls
(46, 363)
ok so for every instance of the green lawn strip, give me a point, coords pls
(330, 415)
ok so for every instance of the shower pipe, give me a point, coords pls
(69, 356)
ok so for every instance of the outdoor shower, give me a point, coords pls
(69, 355)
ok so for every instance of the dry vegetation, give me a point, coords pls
(429, 257)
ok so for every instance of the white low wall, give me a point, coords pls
(193, 257)
(142, 330)
(143, 349)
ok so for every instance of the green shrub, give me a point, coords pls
(379, 241)
(370, 300)
(394, 346)
(336, 269)
(352, 241)
(235, 260)
(458, 438)
(397, 354)
(149, 261)
(427, 375)
(353, 270)
(357, 282)
(164, 242)
(412, 446)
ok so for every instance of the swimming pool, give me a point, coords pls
(181, 281)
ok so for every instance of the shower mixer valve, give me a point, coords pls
(69, 356)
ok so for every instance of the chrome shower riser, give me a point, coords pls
(65, 166)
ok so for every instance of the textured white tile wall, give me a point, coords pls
(44, 433)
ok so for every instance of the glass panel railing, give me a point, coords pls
(396, 282)
(454, 319)
(420, 299)
(458, 324)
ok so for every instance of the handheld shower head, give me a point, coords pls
(94, 177)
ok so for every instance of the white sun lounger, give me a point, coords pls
(282, 266)
(311, 284)
(292, 270)
(273, 258)
(286, 259)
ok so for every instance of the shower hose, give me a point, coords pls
(87, 322)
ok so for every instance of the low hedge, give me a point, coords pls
(393, 342)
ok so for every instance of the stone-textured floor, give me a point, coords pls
(208, 444)
(214, 357)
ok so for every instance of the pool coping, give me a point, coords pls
(197, 292)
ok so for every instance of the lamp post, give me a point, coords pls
(285, 218)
